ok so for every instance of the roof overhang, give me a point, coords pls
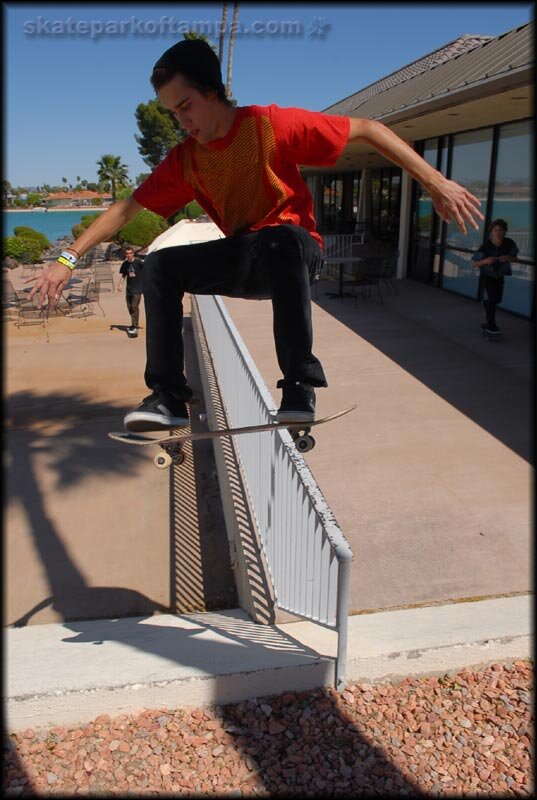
(491, 101)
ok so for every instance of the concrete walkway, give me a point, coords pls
(430, 478)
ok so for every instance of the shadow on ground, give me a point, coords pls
(435, 336)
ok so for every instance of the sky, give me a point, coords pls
(74, 74)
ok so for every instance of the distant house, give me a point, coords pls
(80, 199)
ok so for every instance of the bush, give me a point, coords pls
(30, 233)
(26, 250)
(85, 221)
(141, 231)
(193, 210)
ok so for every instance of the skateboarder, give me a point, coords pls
(131, 274)
(493, 260)
(241, 165)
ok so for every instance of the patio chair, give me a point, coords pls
(103, 274)
(366, 275)
(79, 300)
(389, 270)
(20, 308)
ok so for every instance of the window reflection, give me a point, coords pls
(470, 166)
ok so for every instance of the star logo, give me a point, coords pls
(318, 27)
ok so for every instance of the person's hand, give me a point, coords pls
(120, 287)
(50, 283)
(491, 260)
(454, 203)
(503, 259)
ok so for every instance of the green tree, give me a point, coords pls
(6, 189)
(159, 132)
(34, 198)
(112, 173)
(143, 176)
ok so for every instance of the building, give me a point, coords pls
(468, 109)
(80, 199)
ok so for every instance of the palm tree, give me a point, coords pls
(222, 32)
(231, 46)
(112, 173)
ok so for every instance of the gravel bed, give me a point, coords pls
(462, 735)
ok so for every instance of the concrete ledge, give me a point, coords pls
(54, 677)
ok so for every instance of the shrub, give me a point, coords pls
(141, 231)
(30, 233)
(85, 221)
(26, 250)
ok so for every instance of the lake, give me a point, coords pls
(54, 224)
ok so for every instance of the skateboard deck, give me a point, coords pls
(174, 441)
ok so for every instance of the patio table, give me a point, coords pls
(341, 260)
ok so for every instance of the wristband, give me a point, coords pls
(69, 256)
(74, 251)
(62, 260)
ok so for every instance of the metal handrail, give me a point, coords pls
(307, 555)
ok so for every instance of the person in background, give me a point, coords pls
(493, 262)
(131, 274)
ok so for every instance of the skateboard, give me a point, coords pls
(491, 337)
(174, 442)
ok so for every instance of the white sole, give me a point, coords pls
(139, 421)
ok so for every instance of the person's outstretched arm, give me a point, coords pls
(453, 203)
(52, 281)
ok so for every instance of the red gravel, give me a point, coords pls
(462, 735)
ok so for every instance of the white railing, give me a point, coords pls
(307, 555)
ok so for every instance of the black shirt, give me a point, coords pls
(499, 268)
(132, 270)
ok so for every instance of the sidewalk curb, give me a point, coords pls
(219, 658)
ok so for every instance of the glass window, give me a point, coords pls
(513, 197)
(513, 202)
(424, 207)
(458, 273)
(470, 166)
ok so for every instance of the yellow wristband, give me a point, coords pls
(62, 260)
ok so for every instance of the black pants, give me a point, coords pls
(133, 304)
(494, 290)
(276, 262)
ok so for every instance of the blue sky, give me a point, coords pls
(70, 96)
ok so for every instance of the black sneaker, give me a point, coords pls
(157, 412)
(132, 332)
(298, 403)
(492, 330)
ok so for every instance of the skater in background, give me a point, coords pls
(493, 260)
(131, 274)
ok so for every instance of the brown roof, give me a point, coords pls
(85, 194)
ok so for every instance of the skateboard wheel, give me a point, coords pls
(305, 443)
(163, 461)
(178, 459)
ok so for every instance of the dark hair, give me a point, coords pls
(500, 223)
(163, 75)
(196, 61)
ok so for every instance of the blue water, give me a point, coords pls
(54, 224)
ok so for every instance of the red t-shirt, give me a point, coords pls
(249, 179)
